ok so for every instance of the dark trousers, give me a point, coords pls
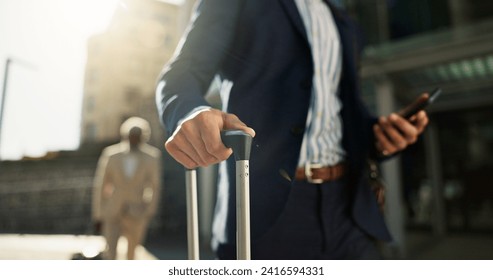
(315, 225)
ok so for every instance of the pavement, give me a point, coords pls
(59, 247)
(63, 247)
(421, 246)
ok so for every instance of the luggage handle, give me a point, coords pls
(240, 142)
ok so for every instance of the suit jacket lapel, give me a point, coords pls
(342, 26)
(346, 33)
(292, 10)
(349, 45)
(340, 20)
(336, 13)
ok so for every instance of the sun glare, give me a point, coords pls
(44, 100)
(89, 16)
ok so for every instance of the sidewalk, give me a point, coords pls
(62, 247)
(58, 247)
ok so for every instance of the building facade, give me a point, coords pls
(123, 64)
(442, 183)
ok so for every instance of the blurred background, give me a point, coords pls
(73, 71)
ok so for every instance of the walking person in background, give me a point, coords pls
(127, 188)
(289, 72)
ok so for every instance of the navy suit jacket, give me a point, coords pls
(261, 46)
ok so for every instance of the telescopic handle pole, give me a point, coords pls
(240, 142)
(192, 215)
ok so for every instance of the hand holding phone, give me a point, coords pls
(419, 104)
(394, 134)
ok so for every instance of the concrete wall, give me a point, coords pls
(46, 196)
(53, 196)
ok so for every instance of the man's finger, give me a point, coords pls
(383, 143)
(208, 129)
(394, 135)
(180, 156)
(194, 145)
(421, 121)
(231, 121)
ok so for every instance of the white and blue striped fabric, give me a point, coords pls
(322, 143)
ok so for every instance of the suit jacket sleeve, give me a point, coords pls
(188, 75)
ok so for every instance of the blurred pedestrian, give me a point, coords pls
(127, 188)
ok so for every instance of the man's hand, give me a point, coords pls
(197, 141)
(394, 133)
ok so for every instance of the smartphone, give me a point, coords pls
(419, 103)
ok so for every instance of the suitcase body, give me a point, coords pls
(240, 142)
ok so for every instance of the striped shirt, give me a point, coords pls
(322, 143)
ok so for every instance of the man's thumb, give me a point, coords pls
(231, 121)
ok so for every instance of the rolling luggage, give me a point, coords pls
(240, 142)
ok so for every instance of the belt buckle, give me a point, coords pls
(308, 173)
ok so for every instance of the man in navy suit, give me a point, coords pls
(289, 78)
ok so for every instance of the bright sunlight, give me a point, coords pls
(46, 41)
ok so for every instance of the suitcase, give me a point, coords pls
(240, 142)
